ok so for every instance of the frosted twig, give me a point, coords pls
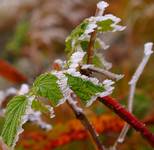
(72, 102)
(106, 73)
(147, 53)
(99, 12)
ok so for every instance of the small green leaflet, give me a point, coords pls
(73, 40)
(83, 88)
(75, 34)
(39, 106)
(46, 86)
(15, 110)
(105, 25)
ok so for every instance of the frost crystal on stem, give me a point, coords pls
(76, 58)
(102, 5)
(147, 53)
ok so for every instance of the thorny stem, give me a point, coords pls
(83, 119)
(128, 117)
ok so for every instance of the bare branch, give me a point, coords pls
(147, 53)
(128, 117)
(104, 72)
(72, 102)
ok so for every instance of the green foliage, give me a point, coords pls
(73, 40)
(46, 86)
(73, 37)
(19, 38)
(97, 61)
(1, 123)
(84, 45)
(105, 25)
(38, 106)
(15, 110)
(84, 89)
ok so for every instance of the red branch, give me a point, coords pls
(128, 117)
(11, 73)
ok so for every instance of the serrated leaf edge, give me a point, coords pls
(24, 119)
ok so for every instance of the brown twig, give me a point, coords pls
(128, 117)
(91, 47)
(104, 72)
(83, 119)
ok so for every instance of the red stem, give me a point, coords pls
(128, 117)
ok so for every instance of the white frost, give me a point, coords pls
(90, 28)
(51, 110)
(72, 100)
(108, 90)
(76, 59)
(107, 85)
(147, 53)
(62, 82)
(24, 119)
(101, 6)
(24, 89)
(35, 116)
(148, 48)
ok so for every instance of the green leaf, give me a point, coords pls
(75, 34)
(46, 86)
(15, 110)
(83, 88)
(105, 25)
(38, 106)
(84, 45)
(96, 61)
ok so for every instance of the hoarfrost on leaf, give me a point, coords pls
(16, 115)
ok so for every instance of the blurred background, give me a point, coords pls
(32, 36)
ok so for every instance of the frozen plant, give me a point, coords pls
(74, 81)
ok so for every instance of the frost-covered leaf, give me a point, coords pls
(105, 25)
(72, 39)
(38, 106)
(87, 90)
(80, 36)
(15, 112)
(46, 85)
